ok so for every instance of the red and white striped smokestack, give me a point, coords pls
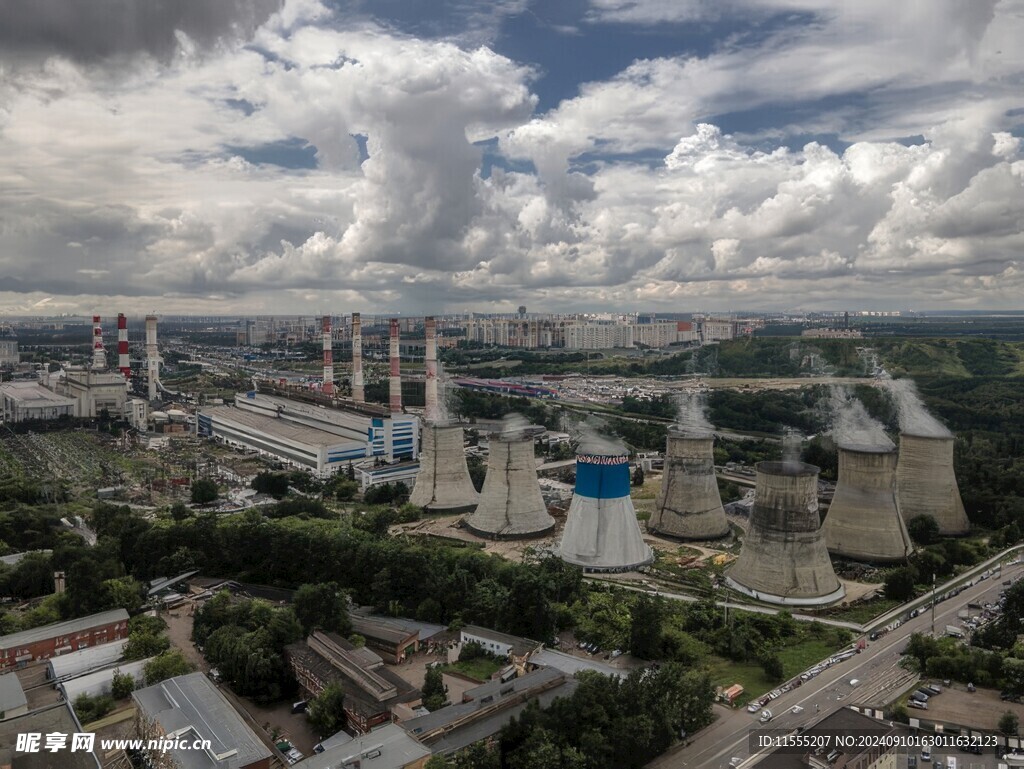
(357, 359)
(430, 359)
(328, 388)
(395, 388)
(123, 364)
(99, 355)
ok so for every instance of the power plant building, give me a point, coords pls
(926, 483)
(864, 521)
(23, 401)
(688, 505)
(94, 391)
(784, 559)
(311, 436)
(601, 531)
(511, 505)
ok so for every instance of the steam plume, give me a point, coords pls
(913, 416)
(692, 416)
(851, 423)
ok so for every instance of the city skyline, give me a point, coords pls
(616, 155)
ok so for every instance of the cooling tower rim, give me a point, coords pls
(689, 433)
(864, 448)
(517, 434)
(920, 437)
(786, 469)
(444, 424)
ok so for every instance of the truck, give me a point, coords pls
(954, 631)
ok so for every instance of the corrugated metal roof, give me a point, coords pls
(12, 696)
(86, 660)
(63, 628)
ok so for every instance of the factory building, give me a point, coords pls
(24, 401)
(93, 391)
(308, 435)
(50, 640)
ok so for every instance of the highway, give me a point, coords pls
(875, 668)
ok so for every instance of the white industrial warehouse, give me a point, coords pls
(309, 436)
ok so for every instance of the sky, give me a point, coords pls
(300, 156)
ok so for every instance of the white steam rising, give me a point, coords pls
(851, 423)
(592, 442)
(910, 409)
(692, 416)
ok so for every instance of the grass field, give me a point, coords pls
(863, 612)
(480, 669)
(795, 660)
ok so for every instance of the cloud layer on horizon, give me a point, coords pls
(294, 156)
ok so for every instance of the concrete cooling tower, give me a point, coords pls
(511, 505)
(601, 531)
(443, 484)
(864, 521)
(689, 505)
(926, 484)
(784, 560)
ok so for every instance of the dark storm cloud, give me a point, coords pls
(97, 29)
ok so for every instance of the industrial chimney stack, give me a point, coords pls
(357, 359)
(395, 385)
(99, 355)
(123, 363)
(431, 412)
(328, 388)
(152, 357)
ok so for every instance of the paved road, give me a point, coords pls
(876, 669)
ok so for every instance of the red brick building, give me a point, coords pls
(41, 643)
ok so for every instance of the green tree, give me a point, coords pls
(122, 685)
(772, 666)
(123, 593)
(322, 606)
(1009, 723)
(179, 512)
(899, 585)
(923, 530)
(204, 491)
(168, 665)
(89, 709)
(274, 484)
(645, 630)
(326, 711)
(143, 644)
(435, 693)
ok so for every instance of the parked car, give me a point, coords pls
(918, 704)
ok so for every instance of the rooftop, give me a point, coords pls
(62, 628)
(84, 660)
(571, 665)
(281, 428)
(57, 718)
(520, 646)
(843, 721)
(191, 703)
(495, 704)
(12, 696)
(33, 394)
(371, 627)
(388, 747)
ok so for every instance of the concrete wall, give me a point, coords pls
(864, 521)
(926, 483)
(689, 505)
(784, 555)
(511, 505)
(443, 483)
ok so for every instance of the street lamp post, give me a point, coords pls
(933, 605)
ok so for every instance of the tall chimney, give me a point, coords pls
(152, 357)
(328, 388)
(431, 412)
(99, 355)
(123, 364)
(357, 359)
(395, 388)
